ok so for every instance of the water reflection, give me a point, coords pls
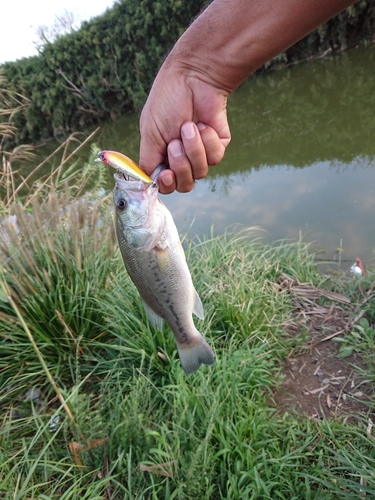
(327, 202)
(301, 159)
(309, 113)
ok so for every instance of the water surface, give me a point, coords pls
(301, 160)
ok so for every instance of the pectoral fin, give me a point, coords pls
(162, 257)
(181, 250)
(155, 320)
(197, 305)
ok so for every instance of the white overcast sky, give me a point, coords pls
(20, 19)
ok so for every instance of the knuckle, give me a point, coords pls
(166, 190)
(185, 188)
(215, 157)
(200, 173)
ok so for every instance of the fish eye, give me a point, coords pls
(121, 203)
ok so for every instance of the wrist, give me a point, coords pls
(210, 59)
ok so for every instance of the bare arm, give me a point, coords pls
(184, 118)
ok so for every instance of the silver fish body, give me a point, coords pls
(155, 260)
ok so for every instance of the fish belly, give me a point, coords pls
(164, 283)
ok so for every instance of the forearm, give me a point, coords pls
(184, 121)
(232, 38)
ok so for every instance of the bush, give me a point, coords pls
(100, 71)
(106, 68)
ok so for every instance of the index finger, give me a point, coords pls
(152, 152)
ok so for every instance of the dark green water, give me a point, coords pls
(301, 160)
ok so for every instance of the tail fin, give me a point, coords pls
(192, 357)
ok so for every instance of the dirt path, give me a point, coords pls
(316, 381)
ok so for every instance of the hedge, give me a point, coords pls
(105, 69)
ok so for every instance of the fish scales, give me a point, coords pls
(154, 258)
(144, 270)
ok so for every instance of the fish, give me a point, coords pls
(155, 261)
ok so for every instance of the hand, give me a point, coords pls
(183, 123)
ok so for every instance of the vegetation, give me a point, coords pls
(106, 67)
(94, 404)
(102, 70)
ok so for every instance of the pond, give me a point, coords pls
(301, 160)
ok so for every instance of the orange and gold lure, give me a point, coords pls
(124, 165)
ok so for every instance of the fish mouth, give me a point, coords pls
(129, 183)
(121, 177)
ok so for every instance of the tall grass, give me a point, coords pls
(94, 403)
(163, 435)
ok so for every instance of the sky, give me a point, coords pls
(21, 18)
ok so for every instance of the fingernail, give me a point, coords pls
(168, 179)
(175, 148)
(188, 130)
(201, 126)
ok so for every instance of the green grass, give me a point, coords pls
(72, 327)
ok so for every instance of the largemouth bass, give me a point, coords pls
(155, 260)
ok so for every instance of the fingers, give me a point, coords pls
(153, 148)
(190, 157)
(167, 182)
(187, 158)
(213, 144)
(179, 164)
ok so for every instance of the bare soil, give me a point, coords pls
(316, 381)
